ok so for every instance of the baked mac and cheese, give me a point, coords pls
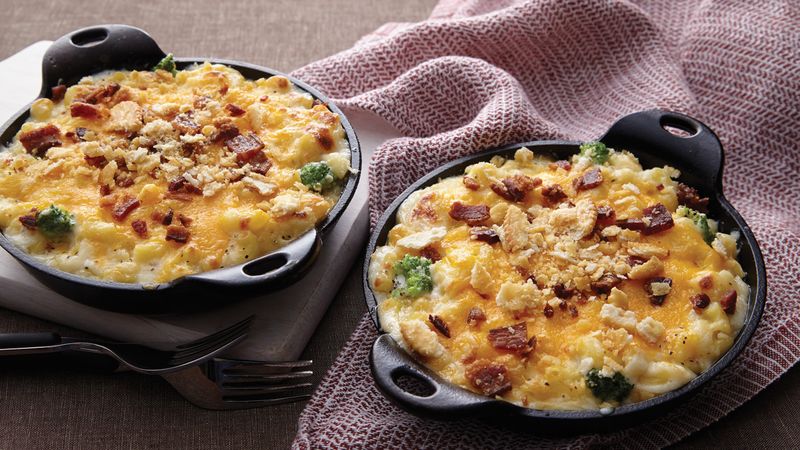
(572, 284)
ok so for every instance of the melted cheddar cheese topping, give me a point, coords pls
(167, 175)
(545, 272)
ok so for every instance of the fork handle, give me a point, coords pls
(18, 340)
(66, 359)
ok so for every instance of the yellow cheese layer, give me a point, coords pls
(657, 348)
(234, 212)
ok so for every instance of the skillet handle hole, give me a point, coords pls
(413, 384)
(89, 38)
(678, 127)
(265, 265)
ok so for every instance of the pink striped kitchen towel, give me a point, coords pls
(484, 73)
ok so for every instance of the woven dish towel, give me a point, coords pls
(483, 73)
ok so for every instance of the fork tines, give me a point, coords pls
(222, 339)
(259, 384)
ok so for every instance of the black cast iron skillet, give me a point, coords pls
(699, 157)
(98, 48)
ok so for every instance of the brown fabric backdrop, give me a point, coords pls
(60, 409)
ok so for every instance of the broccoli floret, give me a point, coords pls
(595, 150)
(700, 221)
(317, 176)
(615, 387)
(54, 222)
(168, 64)
(412, 276)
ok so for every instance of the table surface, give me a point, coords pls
(61, 409)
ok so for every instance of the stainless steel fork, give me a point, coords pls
(135, 357)
(224, 384)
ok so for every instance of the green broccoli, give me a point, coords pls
(317, 176)
(615, 387)
(412, 276)
(700, 221)
(168, 64)
(54, 222)
(595, 150)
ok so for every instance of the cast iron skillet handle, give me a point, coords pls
(281, 265)
(94, 49)
(389, 362)
(699, 153)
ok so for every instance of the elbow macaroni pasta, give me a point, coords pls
(544, 248)
(167, 143)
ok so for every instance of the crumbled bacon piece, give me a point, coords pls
(515, 188)
(553, 194)
(660, 187)
(471, 214)
(700, 301)
(140, 227)
(167, 220)
(424, 208)
(100, 93)
(234, 110)
(124, 179)
(490, 379)
(105, 189)
(573, 310)
(185, 221)
(513, 338)
(659, 219)
(225, 131)
(124, 208)
(561, 163)
(471, 183)
(96, 161)
(176, 184)
(57, 92)
(431, 253)
(85, 110)
(260, 164)
(606, 216)
(29, 220)
(631, 224)
(483, 234)
(562, 291)
(440, 325)
(185, 124)
(605, 283)
(39, 140)
(246, 147)
(728, 302)
(180, 185)
(656, 300)
(177, 234)
(688, 196)
(706, 282)
(589, 180)
(548, 310)
(475, 316)
(163, 218)
(323, 137)
(201, 101)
